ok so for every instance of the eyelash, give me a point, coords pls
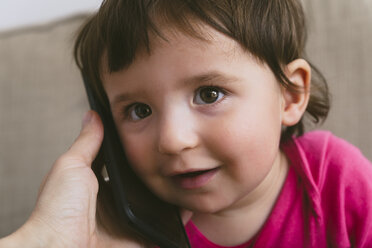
(130, 107)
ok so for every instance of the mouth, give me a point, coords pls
(194, 179)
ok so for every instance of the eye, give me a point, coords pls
(139, 111)
(208, 95)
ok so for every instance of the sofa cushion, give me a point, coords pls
(340, 45)
(41, 103)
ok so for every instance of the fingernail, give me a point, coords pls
(87, 118)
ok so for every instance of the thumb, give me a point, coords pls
(87, 145)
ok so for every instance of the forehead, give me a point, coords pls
(211, 42)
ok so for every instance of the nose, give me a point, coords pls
(176, 133)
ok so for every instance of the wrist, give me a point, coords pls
(30, 234)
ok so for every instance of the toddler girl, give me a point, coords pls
(209, 99)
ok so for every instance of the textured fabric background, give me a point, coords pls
(42, 98)
(42, 102)
(340, 45)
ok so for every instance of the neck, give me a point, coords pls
(229, 227)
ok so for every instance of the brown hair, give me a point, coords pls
(273, 31)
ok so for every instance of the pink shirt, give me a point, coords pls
(326, 200)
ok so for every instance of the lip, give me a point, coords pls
(194, 179)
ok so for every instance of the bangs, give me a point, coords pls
(120, 31)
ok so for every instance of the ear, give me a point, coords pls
(295, 103)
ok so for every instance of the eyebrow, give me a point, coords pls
(203, 78)
(209, 77)
(124, 97)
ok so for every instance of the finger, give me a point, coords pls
(87, 145)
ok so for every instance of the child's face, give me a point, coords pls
(200, 121)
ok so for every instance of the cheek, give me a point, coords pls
(143, 160)
(248, 137)
(247, 127)
(138, 151)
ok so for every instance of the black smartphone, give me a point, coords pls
(156, 220)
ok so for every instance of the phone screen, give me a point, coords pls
(148, 215)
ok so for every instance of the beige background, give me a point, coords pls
(42, 98)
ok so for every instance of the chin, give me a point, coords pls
(203, 206)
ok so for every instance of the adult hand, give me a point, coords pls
(65, 212)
